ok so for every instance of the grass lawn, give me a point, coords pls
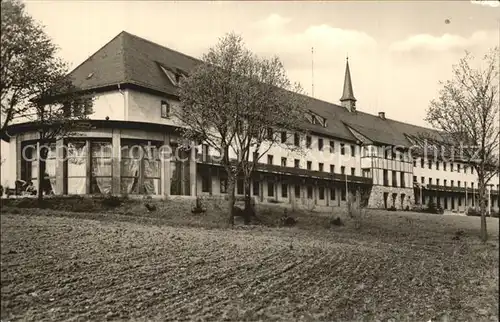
(59, 265)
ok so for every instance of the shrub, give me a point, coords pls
(111, 201)
(473, 212)
(432, 208)
(336, 222)
(392, 208)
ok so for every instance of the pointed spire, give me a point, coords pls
(348, 100)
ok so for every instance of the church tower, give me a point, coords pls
(347, 100)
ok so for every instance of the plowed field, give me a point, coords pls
(57, 268)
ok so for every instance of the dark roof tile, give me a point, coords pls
(131, 59)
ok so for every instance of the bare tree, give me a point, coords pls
(466, 112)
(273, 115)
(230, 101)
(34, 85)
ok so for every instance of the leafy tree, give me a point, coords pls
(231, 100)
(466, 113)
(33, 84)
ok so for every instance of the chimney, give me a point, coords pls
(381, 115)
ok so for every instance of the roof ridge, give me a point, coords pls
(164, 47)
(95, 53)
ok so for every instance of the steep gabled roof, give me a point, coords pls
(134, 60)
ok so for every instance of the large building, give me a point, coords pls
(134, 82)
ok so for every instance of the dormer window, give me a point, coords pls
(172, 76)
(316, 119)
(165, 109)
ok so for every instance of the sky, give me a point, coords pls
(398, 51)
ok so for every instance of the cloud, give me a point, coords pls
(273, 21)
(489, 3)
(294, 48)
(444, 42)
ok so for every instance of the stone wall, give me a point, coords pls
(376, 199)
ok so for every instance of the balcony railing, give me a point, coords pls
(454, 189)
(271, 168)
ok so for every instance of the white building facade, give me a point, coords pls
(134, 84)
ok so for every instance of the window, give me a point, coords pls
(437, 165)
(321, 193)
(386, 178)
(394, 179)
(270, 134)
(353, 171)
(332, 146)
(452, 183)
(415, 163)
(437, 182)
(332, 168)
(204, 152)
(422, 162)
(223, 185)
(471, 170)
(320, 167)
(459, 200)
(430, 181)
(269, 159)
(332, 193)
(49, 176)
(255, 188)
(320, 144)
(239, 186)
(270, 189)
(206, 182)
(309, 192)
(342, 148)
(458, 183)
(451, 167)
(100, 182)
(165, 109)
(283, 162)
(283, 137)
(309, 165)
(76, 167)
(284, 190)
(444, 166)
(296, 139)
(297, 191)
(422, 180)
(414, 178)
(308, 141)
(296, 163)
(458, 167)
(342, 194)
(366, 173)
(445, 182)
(353, 151)
(342, 170)
(472, 185)
(429, 164)
(402, 179)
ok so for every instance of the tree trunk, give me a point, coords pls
(249, 211)
(482, 204)
(42, 156)
(231, 179)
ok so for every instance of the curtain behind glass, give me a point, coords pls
(77, 167)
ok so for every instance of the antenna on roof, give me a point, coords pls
(312, 71)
